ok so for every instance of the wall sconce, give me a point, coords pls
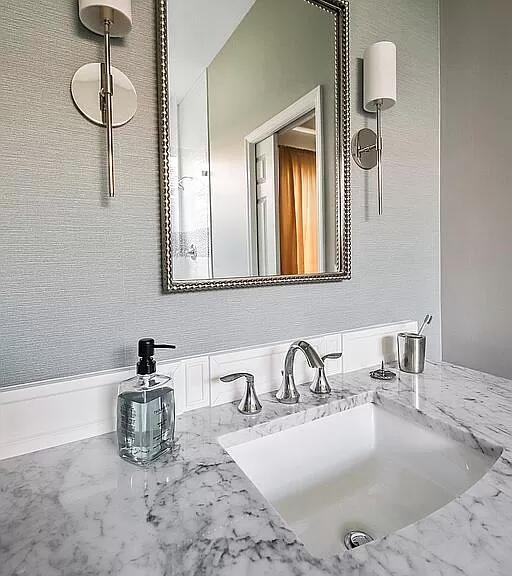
(379, 95)
(103, 94)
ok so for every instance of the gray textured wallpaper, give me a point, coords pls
(80, 278)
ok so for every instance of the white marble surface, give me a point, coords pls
(80, 510)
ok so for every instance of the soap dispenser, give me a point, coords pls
(145, 410)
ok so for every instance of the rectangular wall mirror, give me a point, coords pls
(254, 142)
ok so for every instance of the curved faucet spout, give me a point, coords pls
(288, 393)
(314, 360)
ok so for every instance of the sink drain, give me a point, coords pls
(356, 538)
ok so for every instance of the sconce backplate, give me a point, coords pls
(86, 93)
(364, 149)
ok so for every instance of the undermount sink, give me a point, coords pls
(365, 469)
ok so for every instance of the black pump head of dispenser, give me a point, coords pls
(146, 363)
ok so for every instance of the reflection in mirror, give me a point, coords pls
(255, 186)
(300, 216)
(284, 194)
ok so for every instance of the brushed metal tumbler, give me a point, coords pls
(411, 352)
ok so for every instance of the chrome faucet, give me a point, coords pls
(288, 393)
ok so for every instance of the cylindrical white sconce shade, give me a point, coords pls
(379, 76)
(93, 13)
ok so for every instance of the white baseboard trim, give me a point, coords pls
(44, 414)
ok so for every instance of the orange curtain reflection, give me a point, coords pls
(298, 211)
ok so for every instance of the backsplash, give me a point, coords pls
(40, 415)
(81, 283)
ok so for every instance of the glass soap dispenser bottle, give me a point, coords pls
(145, 410)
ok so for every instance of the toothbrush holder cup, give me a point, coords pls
(411, 352)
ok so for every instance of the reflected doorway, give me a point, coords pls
(285, 177)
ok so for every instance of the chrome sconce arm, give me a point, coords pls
(379, 95)
(93, 86)
(379, 155)
(107, 92)
(367, 152)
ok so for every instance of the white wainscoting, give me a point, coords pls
(368, 347)
(41, 415)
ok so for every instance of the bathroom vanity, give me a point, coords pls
(261, 115)
(80, 509)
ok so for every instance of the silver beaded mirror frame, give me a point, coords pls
(339, 11)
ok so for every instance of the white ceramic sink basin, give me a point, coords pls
(365, 468)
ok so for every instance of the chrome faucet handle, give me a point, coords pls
(320, 384)
(332, 356)
(249, 404)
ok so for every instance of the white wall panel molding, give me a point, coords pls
(191, 383)
(368, 347)
(43, 414)
(46, 414)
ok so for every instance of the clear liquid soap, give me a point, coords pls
(145, 410)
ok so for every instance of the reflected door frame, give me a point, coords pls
(267, 207)
(311, 102)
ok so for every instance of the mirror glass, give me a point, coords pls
(256, 143)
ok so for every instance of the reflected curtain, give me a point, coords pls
(298, 211)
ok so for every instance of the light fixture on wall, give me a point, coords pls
(103, 94)
(379, 95)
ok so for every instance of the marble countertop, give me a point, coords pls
(80, 510)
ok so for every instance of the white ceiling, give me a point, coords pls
(198, 29)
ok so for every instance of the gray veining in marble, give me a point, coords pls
(80, 510)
